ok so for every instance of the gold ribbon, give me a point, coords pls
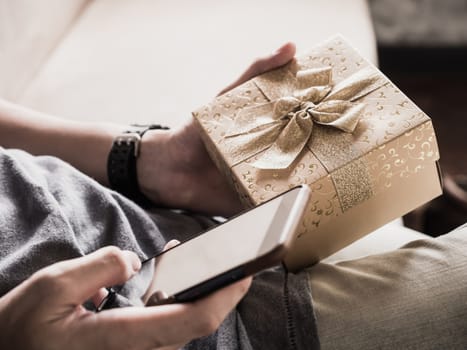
(283, 126)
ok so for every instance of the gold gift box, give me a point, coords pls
(332, 120)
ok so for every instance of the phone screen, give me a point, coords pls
(233, 243)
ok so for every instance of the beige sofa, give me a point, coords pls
(156, 60)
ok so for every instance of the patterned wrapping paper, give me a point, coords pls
(331, 120)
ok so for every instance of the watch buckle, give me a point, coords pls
(129, 138)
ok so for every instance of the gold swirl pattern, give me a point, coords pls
(393, 140)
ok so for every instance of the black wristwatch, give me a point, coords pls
(121, 163)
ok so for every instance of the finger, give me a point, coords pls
(99, 296)
(277, 59)
(171, 244)
(166, 325)
(148, 294)
(75, 281)
(280, 57)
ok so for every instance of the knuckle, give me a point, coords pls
(117, 259)
(49, 281)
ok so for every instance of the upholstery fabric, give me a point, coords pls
(157, 60)
(29, 31)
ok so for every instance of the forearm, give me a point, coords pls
(83, 145)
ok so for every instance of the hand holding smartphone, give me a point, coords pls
(240, 247)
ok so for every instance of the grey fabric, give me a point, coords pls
(50, 212)
(276, 314)
(286, 306)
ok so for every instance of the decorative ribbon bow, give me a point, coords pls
(284, 125)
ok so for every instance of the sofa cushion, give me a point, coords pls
(29, 31)
(146, 60)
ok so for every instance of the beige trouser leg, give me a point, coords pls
(411, 298)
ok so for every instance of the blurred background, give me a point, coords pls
(422, 47)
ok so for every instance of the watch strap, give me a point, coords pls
(121, 163)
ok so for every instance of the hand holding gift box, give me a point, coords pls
(333, 121)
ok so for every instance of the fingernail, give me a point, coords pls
(135, 262)
(171, 244)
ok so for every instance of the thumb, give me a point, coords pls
(79, 279)
(261, 65)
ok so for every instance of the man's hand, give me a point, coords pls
(45, 311)
(174, 168)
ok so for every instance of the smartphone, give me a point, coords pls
(240, 247)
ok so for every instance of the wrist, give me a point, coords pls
(152, 165)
